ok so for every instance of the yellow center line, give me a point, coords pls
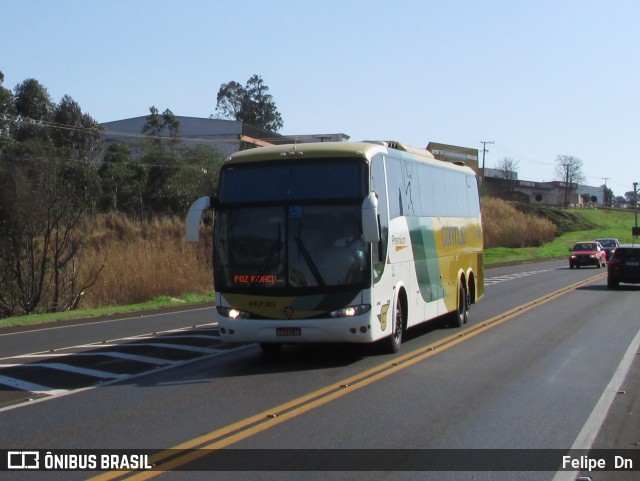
(201, 446)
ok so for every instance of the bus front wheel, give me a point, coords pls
(393, 342)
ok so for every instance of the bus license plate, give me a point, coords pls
(288, 331)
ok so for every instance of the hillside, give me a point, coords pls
(566, 220)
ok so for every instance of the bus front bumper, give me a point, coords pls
(344, 329)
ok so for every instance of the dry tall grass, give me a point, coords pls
(505, 226)
(143, 261)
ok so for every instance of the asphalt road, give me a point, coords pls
(522, 375)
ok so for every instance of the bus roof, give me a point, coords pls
(366, 150)
(307, 150)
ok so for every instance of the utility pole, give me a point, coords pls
(566, 186)
(635, 202)
(484, 151)
(604, 194)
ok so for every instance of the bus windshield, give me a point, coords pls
(314, 180)
(291, 228)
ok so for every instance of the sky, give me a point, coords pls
(538, 78)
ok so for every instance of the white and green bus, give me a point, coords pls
(341, 242)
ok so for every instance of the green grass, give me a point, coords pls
(156, 303)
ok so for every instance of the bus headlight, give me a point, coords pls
(351, 311)
(232, 313)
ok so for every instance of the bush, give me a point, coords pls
(143, 260)
(505, 226)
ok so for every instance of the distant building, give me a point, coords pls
(500, 174)
(228, 136)
(587, 193)
(547, 193)
(307, 138)
(452, 153)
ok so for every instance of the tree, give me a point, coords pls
(123, 180)
(45, 204)
(508, 169)
(251, 104)
(156, 125)
(607, 195)
(48, 186)
(619, 201)
(630, 197)
(7, 115)
(201, 176)
(33, 106)
(160, 155)
(81, 135)
(569, 171)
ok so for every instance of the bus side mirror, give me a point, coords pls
(370, 228)
(194, 216)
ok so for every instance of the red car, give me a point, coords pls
(589, 253)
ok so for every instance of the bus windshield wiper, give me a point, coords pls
(307, 257)
(275, 250)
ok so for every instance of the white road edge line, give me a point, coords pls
(590, 430)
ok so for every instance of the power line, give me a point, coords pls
(141, 163)
(519, 155)
(115, 133)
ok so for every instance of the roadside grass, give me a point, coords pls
(159, 302)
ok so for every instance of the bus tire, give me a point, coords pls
(460, 316)
(393, 342)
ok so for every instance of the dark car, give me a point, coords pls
(609, 244)
(588, 253)
(624, 266)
